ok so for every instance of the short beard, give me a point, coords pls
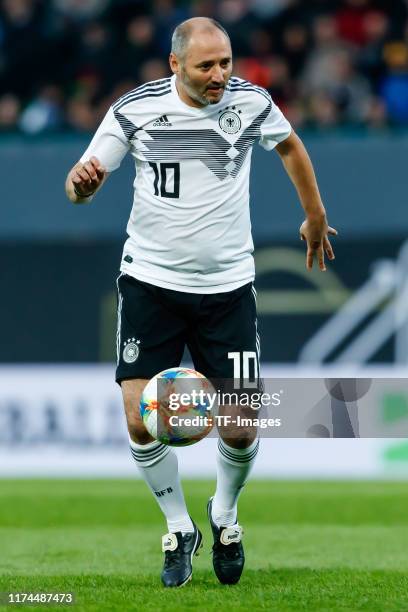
(193, 94)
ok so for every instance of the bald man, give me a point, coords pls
(187, 269)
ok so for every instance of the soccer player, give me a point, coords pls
(187, 270)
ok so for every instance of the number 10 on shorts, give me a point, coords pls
(246, 368)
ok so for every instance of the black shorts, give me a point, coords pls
(155, 325)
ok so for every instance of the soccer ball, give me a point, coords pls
(177, 406)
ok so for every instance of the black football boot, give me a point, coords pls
(178, 551)
(228, 552)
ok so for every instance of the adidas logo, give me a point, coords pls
(162, 122)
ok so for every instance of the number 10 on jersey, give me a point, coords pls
(246, 368)
(166, 179)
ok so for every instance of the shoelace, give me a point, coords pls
(172, 558)
(227, 552)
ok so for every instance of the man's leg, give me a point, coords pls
(235, 458)
(157, 462)
(151, 338)
(225, 345)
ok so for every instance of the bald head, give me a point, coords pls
(190, 28)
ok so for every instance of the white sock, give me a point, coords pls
(158, 465)
(233, 467)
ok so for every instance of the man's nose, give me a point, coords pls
(217, 74)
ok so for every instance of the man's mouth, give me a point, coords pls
(215, 88)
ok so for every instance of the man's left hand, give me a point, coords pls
(314, 231)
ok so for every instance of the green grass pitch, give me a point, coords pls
(309, 546)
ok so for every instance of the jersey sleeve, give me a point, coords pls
(274, 129)
(109, 143)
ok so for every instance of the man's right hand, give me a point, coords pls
(88, 177)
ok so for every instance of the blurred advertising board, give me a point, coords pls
(63, 421)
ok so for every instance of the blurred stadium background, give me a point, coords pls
(339, 70)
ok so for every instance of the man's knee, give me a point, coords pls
(132, 391)
(242, 440)
(139, 434)
(237, 430)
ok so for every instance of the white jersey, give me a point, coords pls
(189, 228)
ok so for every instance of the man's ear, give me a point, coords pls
(174, 63)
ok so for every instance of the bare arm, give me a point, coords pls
(84, 180)
(314, 230)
